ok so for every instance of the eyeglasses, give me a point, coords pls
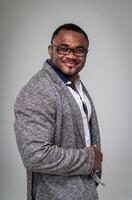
(65, 50)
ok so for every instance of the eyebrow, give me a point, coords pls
(63, 44)
(66, 45)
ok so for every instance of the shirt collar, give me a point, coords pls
(60, 74)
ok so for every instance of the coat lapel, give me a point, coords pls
(72, 102)
(76, 111)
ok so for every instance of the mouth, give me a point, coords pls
(70, 63)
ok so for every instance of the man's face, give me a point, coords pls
(69, 64)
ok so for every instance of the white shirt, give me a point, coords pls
(80, 97)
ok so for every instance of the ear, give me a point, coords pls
(50, 51)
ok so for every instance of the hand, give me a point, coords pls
(98, 158)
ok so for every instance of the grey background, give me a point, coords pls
(25, 31)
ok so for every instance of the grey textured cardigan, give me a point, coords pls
(50, 138)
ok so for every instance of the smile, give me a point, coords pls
(70, 62)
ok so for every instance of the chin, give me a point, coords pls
(70, 73)
(69, 70)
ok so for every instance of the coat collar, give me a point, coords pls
(62, 76)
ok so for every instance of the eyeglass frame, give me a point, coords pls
(70, 49)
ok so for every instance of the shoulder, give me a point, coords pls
(39, 88)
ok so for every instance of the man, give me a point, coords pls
(56, 125)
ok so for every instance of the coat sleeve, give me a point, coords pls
(35, 120)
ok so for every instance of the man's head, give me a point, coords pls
(68, 49)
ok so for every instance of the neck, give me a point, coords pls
(74, 78)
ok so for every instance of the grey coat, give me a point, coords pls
(50, 138)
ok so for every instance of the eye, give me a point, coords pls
(80, 50)
(63, 49)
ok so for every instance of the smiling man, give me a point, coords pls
(68, 51)
(56, 125)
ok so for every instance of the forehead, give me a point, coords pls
(71, 38)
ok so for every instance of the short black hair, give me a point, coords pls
(69, 27)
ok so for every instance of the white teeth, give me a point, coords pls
(70, 62)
